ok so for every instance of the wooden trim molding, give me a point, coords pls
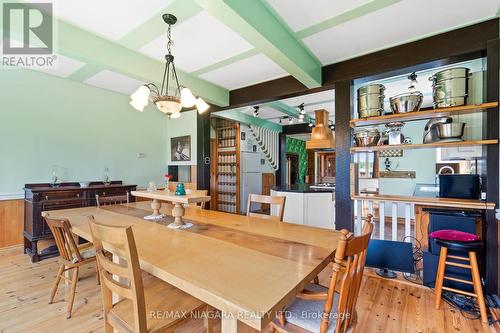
(11, 222)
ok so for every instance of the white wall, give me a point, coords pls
(185, 125)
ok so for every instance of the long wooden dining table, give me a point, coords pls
(246, 267)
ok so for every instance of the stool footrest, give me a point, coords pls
(458, 257)
(451, 263)
(458, 280)
(460, 291)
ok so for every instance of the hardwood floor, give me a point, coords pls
(383, 305)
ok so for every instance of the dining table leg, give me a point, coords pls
(229, 323)
(178, 212)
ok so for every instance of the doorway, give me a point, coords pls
(292, 168)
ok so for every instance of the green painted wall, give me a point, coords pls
(46, 121)
(296, 146)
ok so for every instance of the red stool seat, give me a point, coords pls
(454, 235)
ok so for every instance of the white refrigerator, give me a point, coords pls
(251, 177)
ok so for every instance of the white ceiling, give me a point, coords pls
(114, 81)
(396, 24)
(110, 18)
(252, 70)
(198, 42)
(203, 44)
(301, 14)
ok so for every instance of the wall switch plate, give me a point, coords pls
(141, 155)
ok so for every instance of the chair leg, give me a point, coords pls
(478, 289)
(56, 284)
(74, 280)
(440, 276)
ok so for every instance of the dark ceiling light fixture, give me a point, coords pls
(256, 111)
(311, 123)
(290, 120)
(331, 125)
(302, 112)
(166, 103)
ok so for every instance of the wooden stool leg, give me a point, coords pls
(74, 280)
(478, 288)
(440, 275)
(56, 284)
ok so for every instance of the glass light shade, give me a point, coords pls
(168, 104)
(137, 105)
(187, 98)
(175, 115)
(141, 95)
(201, 105)
(301, 116)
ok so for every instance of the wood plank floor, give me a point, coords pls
(383, 306)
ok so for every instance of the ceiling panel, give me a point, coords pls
(113, 81)
(313, 102)
(252, 70)
(304, 13)
(199, 42)
(265, 112)
(402, 22)
(111, 18)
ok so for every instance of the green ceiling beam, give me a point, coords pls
(226, 62)
(259, 26)
(154, 27)
(240, 116)
(352, 14)
(288, 110)
(82, 45)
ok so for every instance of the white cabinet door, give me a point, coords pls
(319, 210)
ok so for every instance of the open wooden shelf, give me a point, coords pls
(424, 145)
(425, 114)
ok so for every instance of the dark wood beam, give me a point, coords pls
(491, 130)
(344, 212)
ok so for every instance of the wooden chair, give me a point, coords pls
(73, 256)
(141, 300)
(112, 199)
(319, 301)
(200, 205)
(266, 199)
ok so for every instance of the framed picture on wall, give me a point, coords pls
(180, 148)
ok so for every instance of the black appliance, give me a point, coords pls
(459, 186)
(431, 262)
(380, 255)
(442, 219)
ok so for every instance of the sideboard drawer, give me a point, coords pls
(62, 195)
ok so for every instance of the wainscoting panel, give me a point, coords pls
(11, 222)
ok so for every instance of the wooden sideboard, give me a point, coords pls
(43, 197)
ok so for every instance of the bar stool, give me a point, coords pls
(469, 243)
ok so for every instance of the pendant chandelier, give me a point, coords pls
(182, 96)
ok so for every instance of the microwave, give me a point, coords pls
(459, 186)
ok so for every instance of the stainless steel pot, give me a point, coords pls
(366, 137)
(407, 102)
(450, 130)
(450, 87)
(371, 100)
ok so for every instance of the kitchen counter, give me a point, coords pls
(301, 188)
(303, 204)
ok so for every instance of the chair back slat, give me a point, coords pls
(348, 267)
(112, 199)
(121, 240)
(266, 199)
(64, 238)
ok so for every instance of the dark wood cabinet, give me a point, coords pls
(43, 197)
